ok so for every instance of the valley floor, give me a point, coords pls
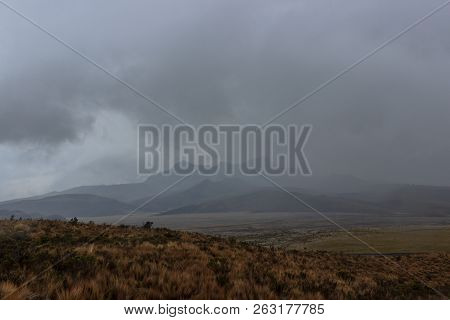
(405, 240)
(394, 233)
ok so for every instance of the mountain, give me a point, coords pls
(199, 193)
(274, 200)
(124, 192)
(135, 192)
(205, 190)
(419, 199)
(70, 205)
(5, 213)
(335, 183)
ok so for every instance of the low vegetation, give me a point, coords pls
(63, 260)
(386, 240)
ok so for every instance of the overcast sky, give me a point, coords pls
(65, 123)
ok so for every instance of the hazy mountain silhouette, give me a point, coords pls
(206, 190)
(274, 200)
(419, 199)
(70, 205)
(251, 193)
(16, 214)
(131, 192)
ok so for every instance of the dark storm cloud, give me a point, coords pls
(237, 62)
(42, 106)
(17, 126)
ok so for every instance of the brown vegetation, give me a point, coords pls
(142, 263)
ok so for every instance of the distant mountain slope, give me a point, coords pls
(70, 205)
(198, 193)
(121, 192)
(16, 214)
(273, 200)
(419, 199)
(206, 190)
(335, 183)
(423, 200)
(124, 192)
(134, 192)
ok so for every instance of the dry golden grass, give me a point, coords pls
(138, 263)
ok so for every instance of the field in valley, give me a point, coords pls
(386, 233)
(405, 240)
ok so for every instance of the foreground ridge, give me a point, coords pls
(125, 262)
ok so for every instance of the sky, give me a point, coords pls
(65, 123)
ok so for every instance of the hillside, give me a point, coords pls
(104, 262)
(69, 205)
(6, 213)
(132, 192)
(419, 199)
(427, 201)
(221, 193)
(204, 191)
(274, 200)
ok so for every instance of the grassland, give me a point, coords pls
(385, 240)
(59, 260)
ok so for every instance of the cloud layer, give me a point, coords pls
(222, 62)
